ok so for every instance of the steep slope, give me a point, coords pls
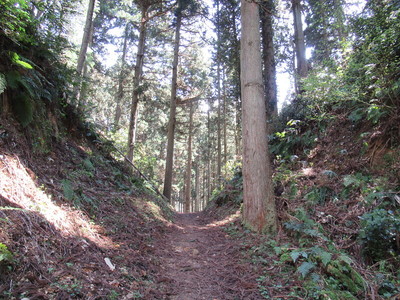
(73, 223)
(338, 196)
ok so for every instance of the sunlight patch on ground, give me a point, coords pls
(227, 220)
(17, 185)
(308, 171)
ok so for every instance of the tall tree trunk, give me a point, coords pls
(84, 86)
(85, 43)
(188, 176)
(259, 211)
(172, 114)
(197, 188)
(238, 130)
(266, 12)
(225, 125)
(208, 155)
(121, 77)
(136, 83)
(238, 106)
(299, 41)
(219, 143)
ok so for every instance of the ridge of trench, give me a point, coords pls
(200, 261)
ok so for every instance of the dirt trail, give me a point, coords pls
(200, 261)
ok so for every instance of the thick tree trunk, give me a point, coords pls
(121, 77)
(259, 211)
(267, 32)
(299, 41)
(172, 114)
(136, 84)
(188, 176)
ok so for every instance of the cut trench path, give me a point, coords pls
(200, 261)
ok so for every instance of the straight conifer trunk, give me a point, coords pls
(188, 176)
(172, 113)
(136, 83)
(225, 126)
(120, 92)
(259, 211)
(85, 44)
(219, 140)
(269, 58)
(86, 37)
(299, 41)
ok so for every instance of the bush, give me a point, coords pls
(380, 234)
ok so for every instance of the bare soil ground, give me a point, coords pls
(200, 261)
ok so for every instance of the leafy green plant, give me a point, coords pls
(68, 190)
(305, 228)
(379, 234)
(319, 195)
(291, 140)
(6, 257)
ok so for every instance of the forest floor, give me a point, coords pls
(199, 260)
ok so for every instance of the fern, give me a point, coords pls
(68, 190)
(3, 83)
(23, 109)
(305, 268)
(16, 59)
(13, 79)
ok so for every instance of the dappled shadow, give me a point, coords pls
(59, 243)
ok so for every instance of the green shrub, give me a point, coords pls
(6, 256)
(380, 229)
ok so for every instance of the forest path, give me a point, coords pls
(200, 261)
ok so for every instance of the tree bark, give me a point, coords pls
(238, 107)
(259, 211)
(84, 44)
(197, 188)
(121, 77)
(225, 125)
(219, 143)
(208, 155)
(188, 176)
(172, 114)
(267, 33)
(136, 83)
(86, 37)
(299, 41)
(84, 87)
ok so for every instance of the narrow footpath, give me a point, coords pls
(200, 261)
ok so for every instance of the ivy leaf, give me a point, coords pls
(305, 268)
